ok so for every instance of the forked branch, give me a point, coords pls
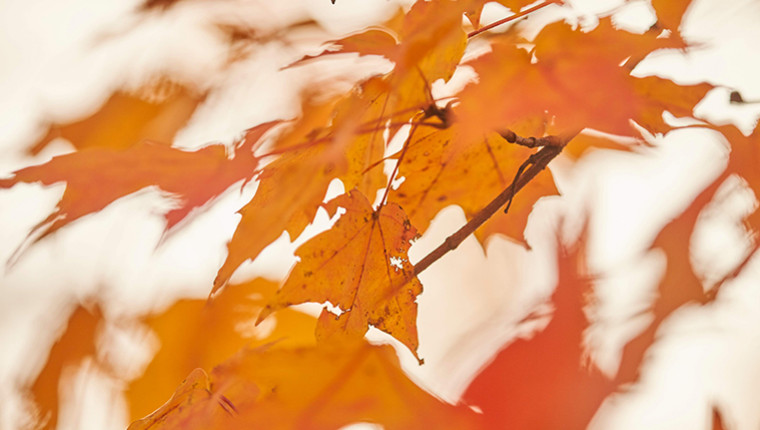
(537, 163)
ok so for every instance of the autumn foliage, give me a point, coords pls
(401, 155)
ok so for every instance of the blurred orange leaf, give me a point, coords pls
(128, 119)
(323, 387)
(202, 334)
(192, 406)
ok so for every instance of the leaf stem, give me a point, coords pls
(509, 18)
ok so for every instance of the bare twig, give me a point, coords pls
(539, 162)
(532, 142)
(509, 18)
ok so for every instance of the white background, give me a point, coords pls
(60, 61)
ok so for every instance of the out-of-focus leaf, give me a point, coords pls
(96, 177)
(128, 119)
(572, 80)
(547, 381)
(76, 343)
(323, 387)
(200, 333)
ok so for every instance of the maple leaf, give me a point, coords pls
(430, 47)
(538, 92)
(679, 286)
(76, 343)
(542, 382)
(95, 177)
(422, 50)
(127, 119)
(361, 266)
(322, 387)
(350, 147)
(441, 169)
(293, 186)
(202, 334)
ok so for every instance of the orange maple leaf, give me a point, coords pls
(200, 333)
(127, 119)
(440, 169)
(349, 146)
(340, 138)
(361, 266)
(422, 50)
(323, 387)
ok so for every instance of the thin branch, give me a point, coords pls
(509, 18)
(532, 142)
(539, 162)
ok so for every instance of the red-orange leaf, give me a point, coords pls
(200, 333)
(361, 266)
(77, 343)
(679, 286)
(336, 139)
(542, 382)
(126, 119)
(95, 177)
(326, 387)
(572, 80)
